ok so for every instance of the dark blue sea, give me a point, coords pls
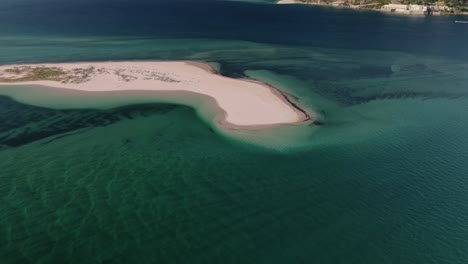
(383, 179)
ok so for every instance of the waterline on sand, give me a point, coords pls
(244, 103)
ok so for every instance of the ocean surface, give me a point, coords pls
(384, 179)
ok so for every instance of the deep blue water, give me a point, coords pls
(384, 180)
(282, 24)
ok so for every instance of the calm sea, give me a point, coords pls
(383, 180)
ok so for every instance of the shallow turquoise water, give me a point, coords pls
(382, 181)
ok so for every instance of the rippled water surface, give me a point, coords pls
(383, 180)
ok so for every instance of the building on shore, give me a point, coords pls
(397, 8)
(338, 3)
(413, 9)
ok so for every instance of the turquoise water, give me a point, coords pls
(120, 179)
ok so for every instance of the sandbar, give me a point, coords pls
(244, 103)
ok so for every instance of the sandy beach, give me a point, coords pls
(244, 103)
(286, 2)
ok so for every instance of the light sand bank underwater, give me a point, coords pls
(244, 109)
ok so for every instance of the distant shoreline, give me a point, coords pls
(418, 10)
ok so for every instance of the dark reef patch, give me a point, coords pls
(21, 124)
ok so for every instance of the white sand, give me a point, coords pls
(245, 103)
(286, 2)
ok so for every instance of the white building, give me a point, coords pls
(396, 8)
(405, 9)
(417, 8)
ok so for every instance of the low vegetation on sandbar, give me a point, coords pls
(28, 73)
(43, 73)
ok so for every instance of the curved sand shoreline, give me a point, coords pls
(245, 104)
